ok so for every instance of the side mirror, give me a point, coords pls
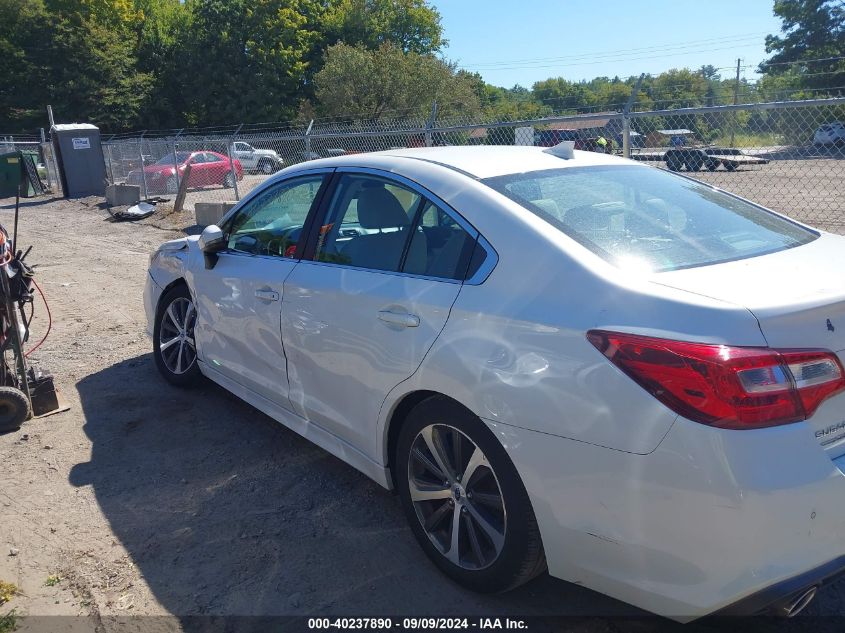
(212, 241)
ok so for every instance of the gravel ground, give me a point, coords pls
(147, 500)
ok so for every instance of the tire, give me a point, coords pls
(179, 367)
(229, 181)
(712, 165)
(14, 409)
(695, 162)
(730, 166)
(507, 550)
(265, 166)
(674, 164)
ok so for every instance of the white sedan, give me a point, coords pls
(560, 360)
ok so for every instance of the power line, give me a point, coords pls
(614, 53)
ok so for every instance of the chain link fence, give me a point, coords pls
(789, 156)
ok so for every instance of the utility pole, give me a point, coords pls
(736, 100)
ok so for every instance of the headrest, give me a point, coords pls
(379, 209)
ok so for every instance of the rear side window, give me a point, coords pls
(644, 218)
(440, 246)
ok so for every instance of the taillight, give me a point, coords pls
(727, 387)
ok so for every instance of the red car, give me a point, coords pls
(207, 168)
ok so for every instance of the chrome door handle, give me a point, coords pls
(267, 295)
(399, 318)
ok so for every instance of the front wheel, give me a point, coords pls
(464, 499)
(174, 347)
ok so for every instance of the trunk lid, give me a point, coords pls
(797, 296)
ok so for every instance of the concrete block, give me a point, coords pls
(122, 195)
(210, 212)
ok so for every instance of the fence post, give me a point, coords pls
(232, 169)
(111, 168)
(308, 140)
(429, 125)
(141, 156)
(175, 160)
(626, 119)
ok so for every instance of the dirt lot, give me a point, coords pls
(147, 500)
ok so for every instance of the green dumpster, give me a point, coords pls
(11, 174)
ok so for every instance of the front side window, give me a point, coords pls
(647, 219)
(272, 222)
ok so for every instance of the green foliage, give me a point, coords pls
(811, 30)
(387, 82)
(411, 25)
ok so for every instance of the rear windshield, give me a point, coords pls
(648, 219)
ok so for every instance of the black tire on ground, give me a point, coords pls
(164, 330)
(731, 166)
(265, 166)
(695, 162)
(229, 181)
(14, 409)
(521, 556)
(674, 164)
(712, 165)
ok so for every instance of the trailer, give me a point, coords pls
(710, 158)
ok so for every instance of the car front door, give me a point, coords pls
(239, 300)
(246, 154)
(360, 313)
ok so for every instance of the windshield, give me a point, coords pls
(645, 218)
(181, 157)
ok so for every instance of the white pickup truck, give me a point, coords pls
(265, 161)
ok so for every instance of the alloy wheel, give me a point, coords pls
(176, 336)
(457, 497)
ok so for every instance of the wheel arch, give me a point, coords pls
(397, 416)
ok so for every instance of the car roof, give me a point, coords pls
(477, 161)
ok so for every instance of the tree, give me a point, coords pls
(246, 60)
(387, 82)
(411, 25)
(811, 30)
(76, 56)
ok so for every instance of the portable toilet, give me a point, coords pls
(79, 154)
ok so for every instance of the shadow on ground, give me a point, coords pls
(226, 512)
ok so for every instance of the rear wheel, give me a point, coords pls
(695, 162)
(712, 165)
(674, 163)
(730, 166)
(174, 347)
(266, 166)
(464, 499)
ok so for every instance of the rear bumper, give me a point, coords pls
(786, 590)
(711, 519)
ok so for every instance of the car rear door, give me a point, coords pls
(239, 300)
(360, 313)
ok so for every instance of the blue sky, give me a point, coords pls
(511, 42)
